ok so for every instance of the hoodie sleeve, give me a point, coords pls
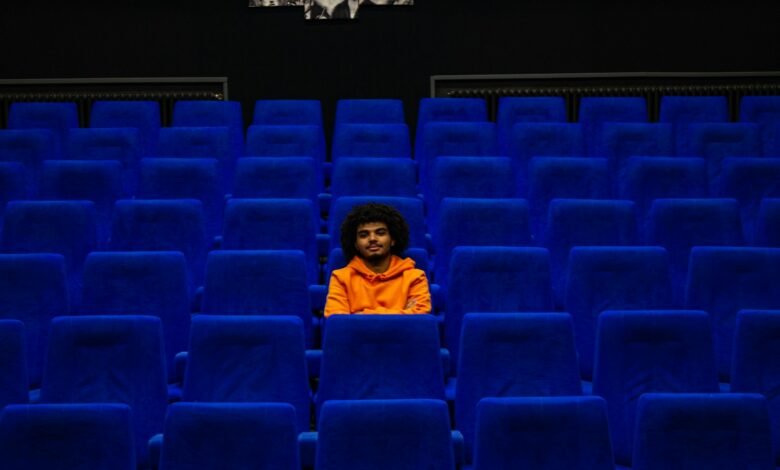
(337, 301)
(419, 300)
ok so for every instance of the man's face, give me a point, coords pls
(373, 241)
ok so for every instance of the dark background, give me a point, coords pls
(389, 51)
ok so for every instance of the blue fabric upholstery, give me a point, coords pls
(562, 177)
(39, 437)
(142, 115)
(122, 144)
(513, 110)
(760, 109)
(644, 179)
(369, 111)
(33, 291)
(724, 280)
(767, 231)
(410, 208)
(203, 142)
(714, 431)
(276, 177)
(478, 222)
(288, 112)
(163, 225)
(716, 141)
(248, 359)
(559, 433)
(680, 224)
(30, 147)
(528, 140)
(110, 359)
(452, 139)
(584, 222)
(649, 351)
(145, 283)
(449, 109)
(749, 180)
(288, 141)
(620, 140)
(596, 112)
(380, 357)
(755, 366)
(13, 363)
(222, 435)
(494, 279)
(385, 435)
(14, 185)
(68, 228)
(212, 113)
(250, 282)
(612, 278)
(371, 140)
(513, 355)
(273, 224)
(689, 109)
(96, 181)
(186, 178)
(336, 260)
(368, 176)
(56, 117)
(467, 177)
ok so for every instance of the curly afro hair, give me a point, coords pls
(373, 212)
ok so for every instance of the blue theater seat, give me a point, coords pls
(644, 179)
(682, 111)
(13, 363)
(680, 224)
(186, 178)
(755, 368)
(603, 278)
(141, 115)
(249, 282)
(288, 112)
(724, 280)
(34, 290)
(29, 147)
(371, 140)
(288, 141)
(163, 225)
(122, 144)
(385, 435)
(367, 357)
(767, 231)
(248, 359)
(14, 185)
(212, 113)
(369, 111)
(230, 435)
(512, 355)
(562, 177)
(67, 436)
(596, 111)
(55, 117)
(494, 279)
(202, 142)
(450, 109)
(369, 176)
(620, 140)
(557, 433)
(749, 180)
(716, 141)
(452, 139)
(649, 351)
(110, 359)
(759, 109)
(714, 431)
(148, 283)
(513, 110)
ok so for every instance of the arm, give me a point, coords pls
(337, 301)
(419, 300)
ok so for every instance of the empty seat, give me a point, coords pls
(644, 179)
(596, 111)
(716, 141)
(561, 177)
(288, 141)
(450, 109)
(288, 112)
(55, 117)
(67, 436)
(767, 231)
(369, 111)
(248, 282)
(148, 283)
(724, 280)
(620, 140)
(212, 113)
(235, 435)
(528, 140)
(13, 363)
(542, 433)
(14, 185)
(371, 140)
(142, 115)
(716, 431)
(110, 359)
(612, 278)
(385, 435)
(370, 176)
(755, 368)
(512, 355)
(682, 111)
(494, 279)
(380, 357)
(29, 147)
(749, 180)
(34, 290)
(273, 224)
(122, 144)
(163, 225)
(649, 351)
(451, 139)
(759, 109)
(513, 110)
(248, 359)
(202, 142)
(186, 178)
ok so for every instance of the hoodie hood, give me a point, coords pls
(396, 268)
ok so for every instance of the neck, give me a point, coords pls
(377, 265)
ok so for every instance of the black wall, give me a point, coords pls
(389, 51)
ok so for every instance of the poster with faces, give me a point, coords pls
(329, 9)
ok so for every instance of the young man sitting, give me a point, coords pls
(376, 280)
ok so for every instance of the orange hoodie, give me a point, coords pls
(357, 289)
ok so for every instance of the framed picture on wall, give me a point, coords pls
(275, 3)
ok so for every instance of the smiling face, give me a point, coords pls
(373, 241)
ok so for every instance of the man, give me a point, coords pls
(376, 280)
